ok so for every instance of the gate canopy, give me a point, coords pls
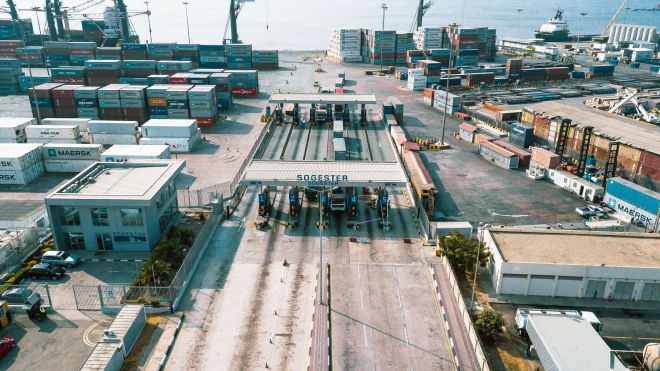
(323, 98)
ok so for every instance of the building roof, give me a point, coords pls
(324, 173)
(467, 127)
(132, 180)
(136, 150)
(571, 343)
(614, 127)
(323, 98)
(494, 147)
(568, 247)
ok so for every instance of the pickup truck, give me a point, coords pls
(591, 211)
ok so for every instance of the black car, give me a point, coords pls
(46, 270)
(19, 295)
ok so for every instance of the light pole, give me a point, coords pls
(476, 264)
(444, 116)
(581, 28)
(187, 23)
(384, 7)
(518, 21)
(36, 14)
(151, 39)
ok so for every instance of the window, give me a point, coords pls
(104, 241)
(100, 216)
(74, 241)
(70, 216)
(131, 217)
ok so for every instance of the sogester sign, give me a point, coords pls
(326, 180)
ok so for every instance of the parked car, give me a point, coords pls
(19, 295)
(46, 270)
(60, 258)
(5, 346)
(590, 211)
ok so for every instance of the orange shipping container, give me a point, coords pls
(428, 92)
(157, 102)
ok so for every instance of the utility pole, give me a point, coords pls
(50, 20)
(151, 39)
(444, 116)
(185, 3)
(384, 7)
(232, 21)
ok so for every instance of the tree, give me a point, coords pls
(462, 252)
(155, 273)
(489, 323)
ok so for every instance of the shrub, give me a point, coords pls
(489, 323)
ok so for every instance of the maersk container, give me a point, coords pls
(109, 103)
(634, 194)
(24, 176)
(521, 135)
(158, 91)
(19, 156)
(111, 91)
(203, 92)
(139, 64)
(52, 132)
(111, 139)
(87, 152)
(86, 92)
(81, 123)
(113, 127)
(179, 92)
(67, 166)
(121, 153)
(176, 113)
(94, 64)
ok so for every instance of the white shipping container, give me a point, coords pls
(57, 151)
(19, 139)
(81, 123)
(19, 156)
(67, 166)
(415, 72)
(14, 128)
(167, 128)
(112, 127)
(22, 176)
(177, 145)
(111, 139)
(121, 153)
(52, 140)
(52, 132)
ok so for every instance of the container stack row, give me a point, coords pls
(468, 44)
(12, 130)
(430, 38)
(65, 53)
(109, 132)
(181, 135)
(239, 56)
(404, 43)
(379, 47)
(345, 45)
(265, 59)
(20, 163)
(10, 71)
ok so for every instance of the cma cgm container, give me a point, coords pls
(44, 133)
(639, 203)
(121, 153)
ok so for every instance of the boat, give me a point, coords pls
(555, 29)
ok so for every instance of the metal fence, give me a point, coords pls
(89, 297)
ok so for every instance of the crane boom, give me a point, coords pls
(609, 24)
(52, 30)
(15, 18)
(232, 21)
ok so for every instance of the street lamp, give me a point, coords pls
(444, 116)
(384, 7)
(151, 39)
(476, 264)
(518, 21)
(581, 28)
(36, 14)
(187, 23)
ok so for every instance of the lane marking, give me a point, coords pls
(364, 327)
(654, 339)
(405, 325)
(617, 337)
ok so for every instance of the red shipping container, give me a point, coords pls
(205, 122)
(82, 51)
(178, 80)
(246, 92)
(64, 91)
(69, 80)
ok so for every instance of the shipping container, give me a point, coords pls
(642, 204)
(81, 123)
(111, 139)
(113, 127)
(53, 151)
(545, 158)
(22, 176)
(498, 155)
(67, 166)
(68, 132)
(14, 128)
(169, 128)
(177, 145)
(121, 153)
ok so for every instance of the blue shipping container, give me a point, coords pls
(634, 194)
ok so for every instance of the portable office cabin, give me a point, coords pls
(466, 132)
(498, 155)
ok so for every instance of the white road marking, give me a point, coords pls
(405, 327)
(364, 326)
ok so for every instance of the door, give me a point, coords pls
(623, 290)
(569, 287)
(595, 289)
(514, 284)
(541, 285)
(651, 291)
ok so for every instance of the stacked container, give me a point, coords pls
(64, 101)
(157, 79)
(10, 70)
(180, 135)
(203, 104)
(108, 132)
(108, 53)
(172, 67)
(41, 97)
(69, 134)
(244, 83)
(413, 57)
(8, 48)
(603, 70)
(110, 102)
(180, 78)
(470, 43)
(122, 153)
(222, 82)
(442, 98)
(157, 101)
(239, 56)
(379, 46)
(443, 56)
(476, 79)
(9, 29)
(31, 55)
(133, 100)
(212, 56)
(521, 135)
(265, 59)
(57, 53)
(416, 79)
(27, 82)
(70, 158)
(160, 51)
(68, 75)
(20, 163)
(404, 42)
(101, 72)
(430, 37)
(187, 52)
(199, 79)
(138, 68)
(177, 101)
(398, 109)
(345, 45)
(81, 52)
(87, 103)
(556, 73)
(12, 130)
(428, 97)
(81, 123)
(133, 51)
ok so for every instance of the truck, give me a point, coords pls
(522, 314)
(320, 115)
(338, 199)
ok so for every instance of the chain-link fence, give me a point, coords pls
(89, 297)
